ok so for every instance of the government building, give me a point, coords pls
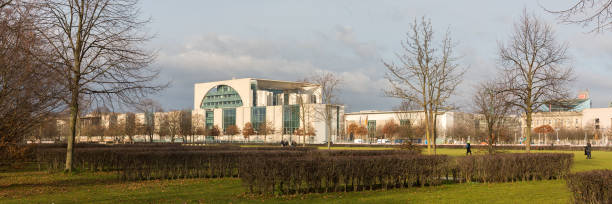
(288, 108)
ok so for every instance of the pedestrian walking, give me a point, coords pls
(468, 147)
(587, 150)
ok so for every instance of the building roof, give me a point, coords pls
(272, 84)
(276, 84)
(385, 112)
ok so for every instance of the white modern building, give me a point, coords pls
(374, 121)
(285, 106)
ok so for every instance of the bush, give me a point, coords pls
(591, 186)
(190, 164)
(315, 173)
(514, 167)
(110, 158)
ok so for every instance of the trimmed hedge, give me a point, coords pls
(282, 175)
(110, 158)
(190, 164)
(514, 167)
(591, 186)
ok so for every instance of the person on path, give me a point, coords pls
(587, 150)
(468, 147)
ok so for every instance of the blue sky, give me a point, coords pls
(201, 41)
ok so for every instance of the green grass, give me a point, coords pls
(42, 187)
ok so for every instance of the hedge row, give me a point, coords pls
(514, 167)
(110, 158)
(591, 186)
(269, 175)
(203, 164)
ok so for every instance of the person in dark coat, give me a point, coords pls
(587, 150)
(468, 147)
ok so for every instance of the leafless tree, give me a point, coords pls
(130, 126)
(149, 107)
(329, 84)
(426, 74)
(533, 65)
(265, 129)
(493, 103)
(98, 51)
(185, 125)
(163, 124)
(306, 114)
(587, 12)
(197, 126)
(27, 96)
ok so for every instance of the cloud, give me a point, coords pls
(212, 57)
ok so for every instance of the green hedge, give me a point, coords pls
(591, 186)
(282, 175)
(514, 167)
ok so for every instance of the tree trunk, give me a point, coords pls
(528, 131)
(74, 112)
(328, 124)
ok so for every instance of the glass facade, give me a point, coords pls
(210, 119)
(371, 128)
(229, 117)
(221, 96)
(258, 116)
(291, 118)
(404, 122)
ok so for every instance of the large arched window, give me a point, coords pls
(221, 96)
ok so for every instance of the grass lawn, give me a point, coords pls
(41, 187)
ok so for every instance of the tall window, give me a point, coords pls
(229, 117)
(258, 116)
(291, 118)
(210, 119)
(372, 128)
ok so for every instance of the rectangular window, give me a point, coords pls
(371, 128)
(404, 122)
(210, 119)
(229, 117)
(258, 116)
(291, 119)
(285, 99)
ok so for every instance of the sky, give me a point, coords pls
(201, 41)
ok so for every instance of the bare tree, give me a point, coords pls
(130, 126)
(329, 84)
(266, 129)
(27, 96)
(162, 128)
(390, 129)
(425, 74)
(197, 126)
(149, 107)
(305, 116)
(533, 67)
(97, 46)
(231, 131)
(587, 12)
(493, 103)
(185, 125)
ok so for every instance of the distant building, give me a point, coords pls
(282, 104)
(583, 101)
(452, 127)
